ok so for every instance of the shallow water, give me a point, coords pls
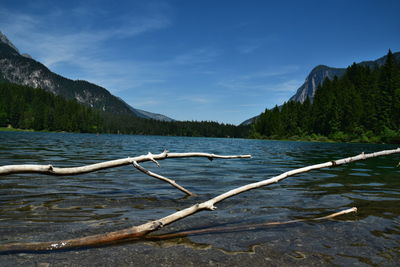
(43, 208)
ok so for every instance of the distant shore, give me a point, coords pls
(305, 138)
(11, 129)
(342, 138)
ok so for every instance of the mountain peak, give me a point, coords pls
(4, 39)
(321, 68)
(313, 80)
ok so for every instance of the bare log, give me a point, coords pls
(142, 230)
(51, 170)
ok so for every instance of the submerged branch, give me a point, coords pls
(246, 227)
(142, 230)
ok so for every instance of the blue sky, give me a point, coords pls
(224, 61)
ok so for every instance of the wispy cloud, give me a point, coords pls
(82, 49)
(249, 48)
(262, 81)
(145, 102)
(195, 57)
(197, 99)
(262, 88)
(286, 86)
(276, 72)
(36, 33)
(250, 45)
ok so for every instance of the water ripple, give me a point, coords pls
(39, 207)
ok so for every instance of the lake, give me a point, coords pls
(43, 208)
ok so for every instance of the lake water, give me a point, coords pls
(43, 208)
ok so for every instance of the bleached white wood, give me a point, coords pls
(163, 178)
(51, 170)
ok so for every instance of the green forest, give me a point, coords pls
(24, 107)
(361, 106)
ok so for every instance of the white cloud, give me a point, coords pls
(277, 80)
(83, 47)
(250, 45)
(249, 87)
(195, 57)
(277, 71)
(197, 99)
(247, 49)
(144, 102)
(32, 32)
(286, 86)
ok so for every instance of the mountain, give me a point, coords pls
(318, 75)
(321, 72)
(313, 80)
(147, 115)
(249, 121)
(23, 70)
(150, 115)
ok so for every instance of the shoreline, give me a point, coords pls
(308, 138)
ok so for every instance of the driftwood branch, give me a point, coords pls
(165, 179)
(142, 230)
(51, 170)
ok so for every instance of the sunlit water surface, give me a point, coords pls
(43, 208)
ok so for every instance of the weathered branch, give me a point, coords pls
(141, 230)
(165, 179)
(246, 227)
(51, 170)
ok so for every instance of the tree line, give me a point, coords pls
(24, 107)
(362, 106)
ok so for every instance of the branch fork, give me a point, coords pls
(150, 155)
(163, 178)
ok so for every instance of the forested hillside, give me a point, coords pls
(29, 108)
(32, 108)
(363, 106)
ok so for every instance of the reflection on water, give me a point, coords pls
(40, 207)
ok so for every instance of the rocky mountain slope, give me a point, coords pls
(321, 72)
(318, 75)
(22, 69)
(313, 80)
